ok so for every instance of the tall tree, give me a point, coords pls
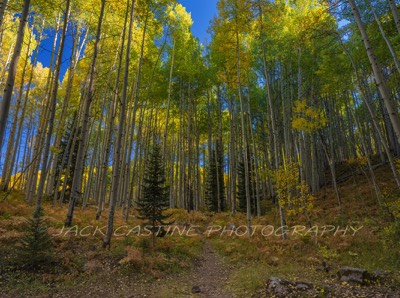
(377, 70)
(121, 130)
(80, 160)
(9, 88)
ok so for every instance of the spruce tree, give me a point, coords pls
(64, 154)
(35, 245)
(154, 200)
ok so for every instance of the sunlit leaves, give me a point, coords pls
(293, 194)
(307, 119)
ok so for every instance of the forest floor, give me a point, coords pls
(214, 265)
(207, 277)
(210, 276)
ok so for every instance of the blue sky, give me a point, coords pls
(203, 11)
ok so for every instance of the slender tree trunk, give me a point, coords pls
(91, 166)
(373, 117)
(388, 43)
(189, 148)
(6, 65)
(9, 88)
(126, 194)
(242, 121)
(209, 142)
(257, 179)
(53, 102)
(371, 171)
(61, 124)
(34, 165)
(395, 12)
(232, 156)
(169, 99)
(3, 6)
(111, 119)
(11, 150)
(118, 145)
(379, 78)
(80, 157)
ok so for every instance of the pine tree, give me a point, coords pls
(65, 151)
(35, 245)
(154, 200)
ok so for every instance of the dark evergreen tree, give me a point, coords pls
(215, 181)
(65, 151)
(154, 199)
(35, 245)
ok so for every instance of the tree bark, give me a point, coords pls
(379, 78)
(9, 88)
(3, 6)
(80, 158)
(53, 102)
(169, 100)
(387, 41)
(11, 150)
(242, 121)
(118, 145)
(395, 12)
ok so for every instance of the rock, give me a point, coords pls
(354, 275)
(303, 286)
(196, 290)
(281, 288)
(380, 275)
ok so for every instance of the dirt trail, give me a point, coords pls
(211, 275)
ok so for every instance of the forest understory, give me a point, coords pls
(219, 265)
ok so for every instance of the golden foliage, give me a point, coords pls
(308, 119)
(293, 194)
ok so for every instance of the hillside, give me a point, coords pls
(131, 268)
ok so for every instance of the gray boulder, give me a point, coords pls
(282, 288)
(354, 275)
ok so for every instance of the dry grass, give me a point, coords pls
(258, 257)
